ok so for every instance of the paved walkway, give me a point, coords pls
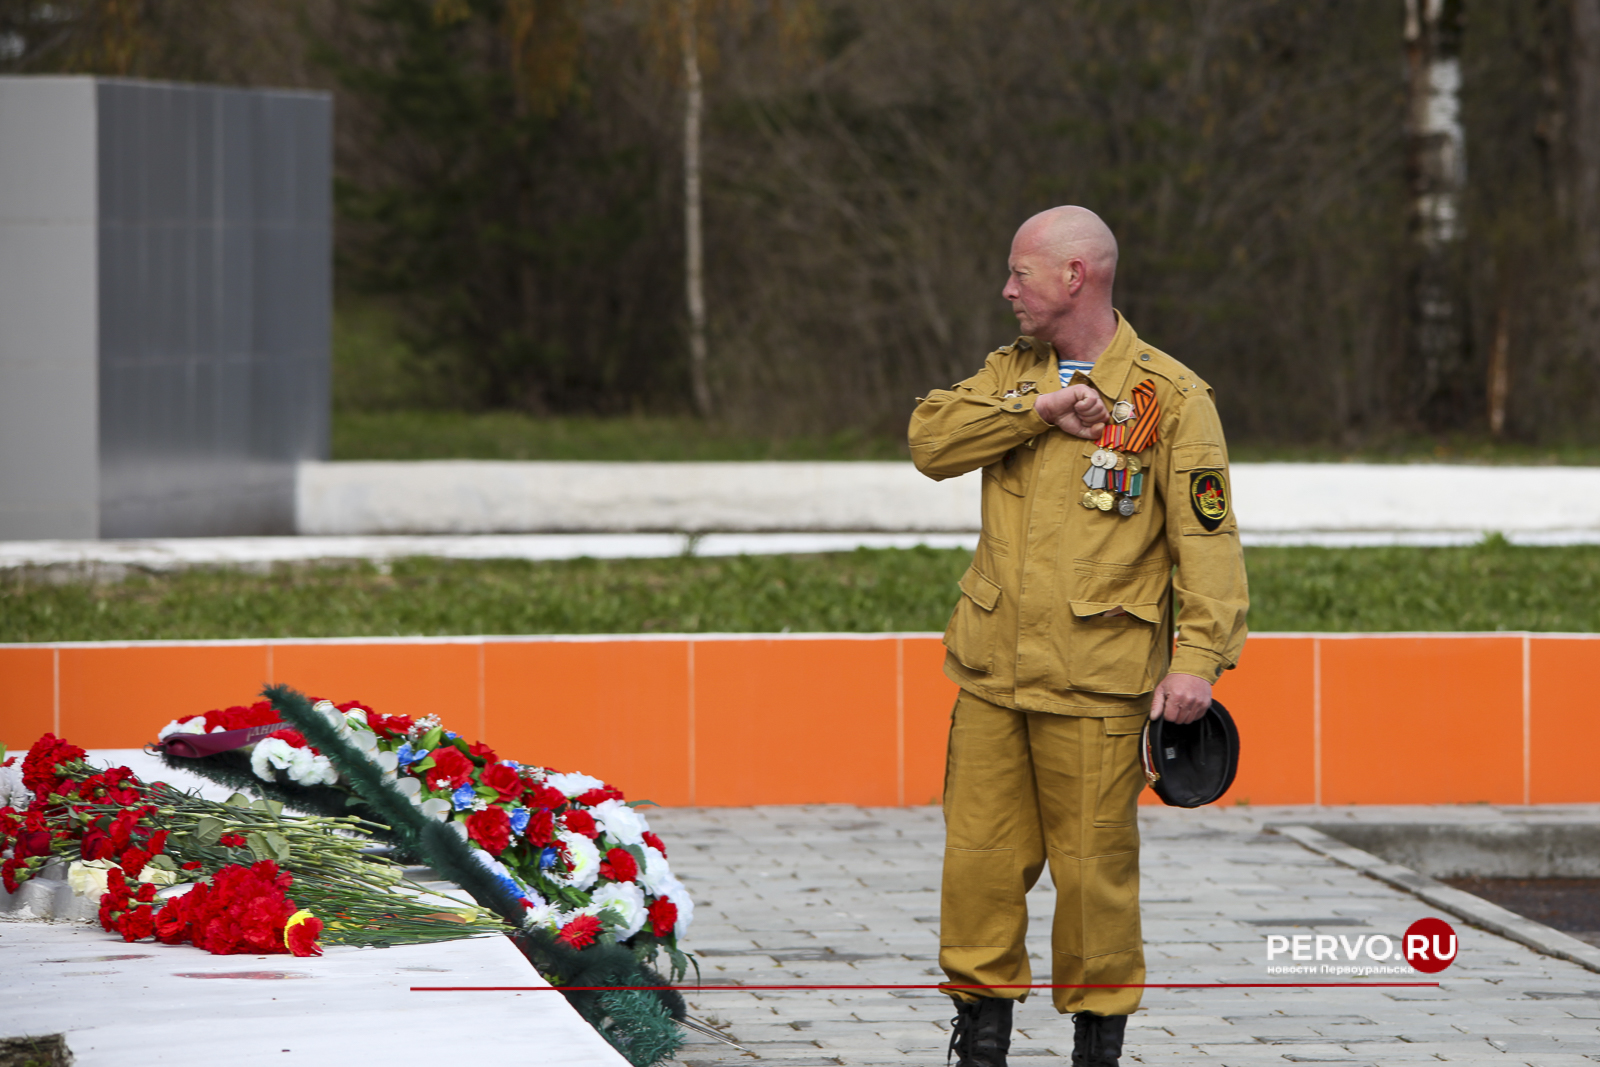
(849, 895)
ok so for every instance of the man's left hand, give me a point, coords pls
(1076, 410)
(1181, 698)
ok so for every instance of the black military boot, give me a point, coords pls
(1097, 1039)
(980, 1034)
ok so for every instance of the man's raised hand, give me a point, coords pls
(1076, 410)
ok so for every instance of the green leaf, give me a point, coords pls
(208, 831)
(271, 807)
(643, 804)
(430, 740)
(267, 845)
(163, 862)
(238, 800)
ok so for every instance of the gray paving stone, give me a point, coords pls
(832, 894)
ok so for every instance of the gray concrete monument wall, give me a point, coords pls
(165, 305)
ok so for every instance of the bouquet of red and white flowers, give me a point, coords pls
(578, 856)
(184, 869)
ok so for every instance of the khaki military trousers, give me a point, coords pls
(1026, 788)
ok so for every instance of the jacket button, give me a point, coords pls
(1016, 407)
(1145, 357)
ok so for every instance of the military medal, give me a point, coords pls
(1115, 476)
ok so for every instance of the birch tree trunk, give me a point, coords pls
(1436, 171)
(693, 230)
(1585, 168)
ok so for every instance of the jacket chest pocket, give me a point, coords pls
(1113, 640)
(1013, 470)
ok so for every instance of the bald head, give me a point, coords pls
(1072, 232)
(1063, 263)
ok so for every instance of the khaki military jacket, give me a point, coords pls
(1069, 609)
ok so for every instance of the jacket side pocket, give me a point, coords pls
(969, 636)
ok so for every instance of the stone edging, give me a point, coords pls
(1457, 902)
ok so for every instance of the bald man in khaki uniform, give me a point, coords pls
(1105, 490)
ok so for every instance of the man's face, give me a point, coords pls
(1036, 287)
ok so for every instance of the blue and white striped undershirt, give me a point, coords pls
(1068, 366)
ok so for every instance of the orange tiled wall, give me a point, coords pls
(858, 719)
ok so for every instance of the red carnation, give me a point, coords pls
(483, 752)
(450, 768)
(541, 828)
(389, 725)
(581, 822)
(580, 932)
(599, 795)
(39, 766)
(32, 842)
(96, 845)
(231, 841)
(137, 924)
(8, 874)
(490, 828)
(172, 925)
(301, 938)
(663, 917)
(540, 795)
(619, 866)
(295, 738)
(133, 861)
(654, 842)
(503, 780)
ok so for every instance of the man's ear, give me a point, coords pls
(1073, 274)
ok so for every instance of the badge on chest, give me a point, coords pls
(1116, 474)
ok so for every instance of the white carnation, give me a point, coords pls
(310, 768)
(193, 726)
(269, 756)
(656, 871)
(573, 784)
(12, 792)
(301, 764)
(584, 858)
(619, 822)
(624, 904)
(544, 914)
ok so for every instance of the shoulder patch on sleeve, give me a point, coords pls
(1208, 495)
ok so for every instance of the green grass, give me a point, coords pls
(512, 435)
(1492, 586)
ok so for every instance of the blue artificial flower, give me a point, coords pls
(408, 755)
(519, 819)
(516, 891)
(451, 736)
(464, 797)
(547, 859)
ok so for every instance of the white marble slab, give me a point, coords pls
(148, 1003)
